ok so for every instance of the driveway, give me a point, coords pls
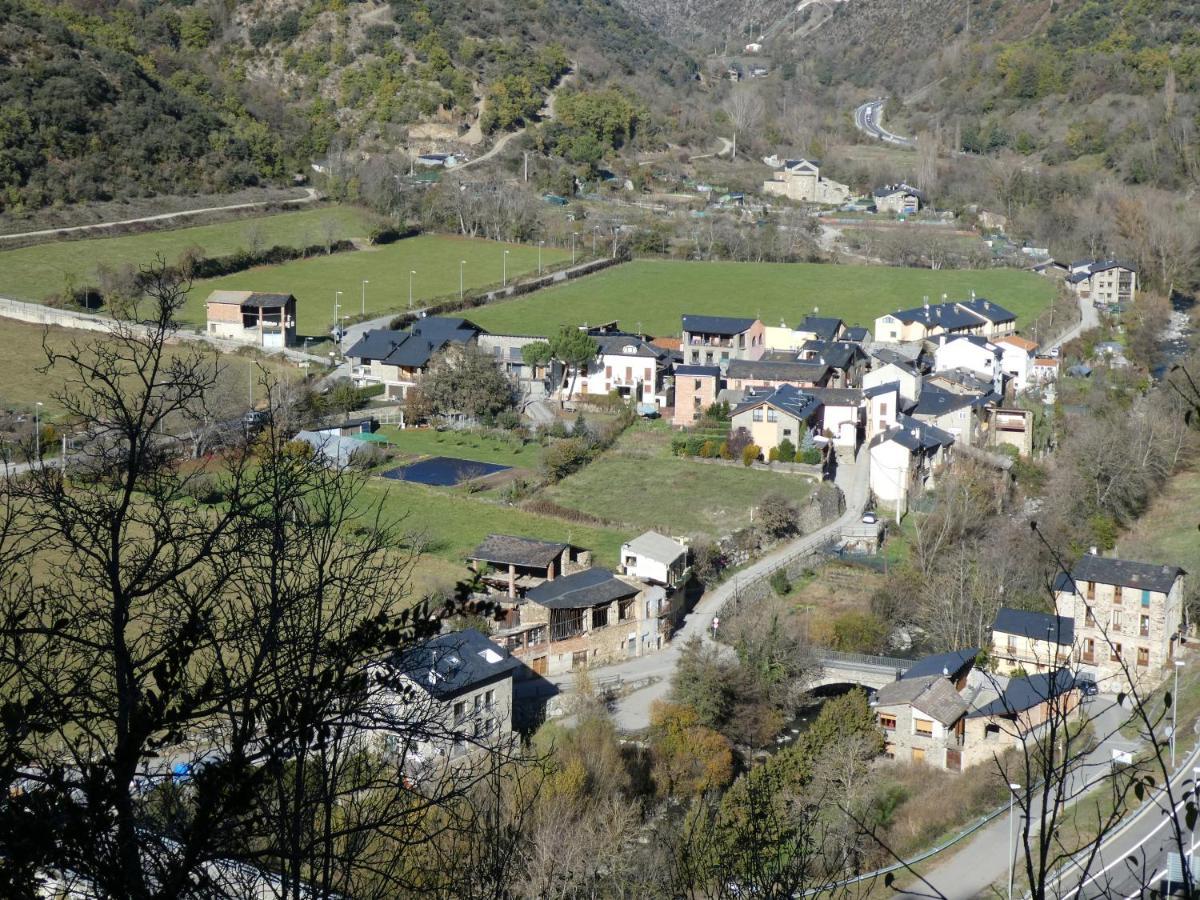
(1089, 318)
(632, 712)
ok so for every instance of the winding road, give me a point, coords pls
(868, 119)
(546, 114)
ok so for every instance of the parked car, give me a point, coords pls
(1055, 351)
(1087, 686)
(869, 517)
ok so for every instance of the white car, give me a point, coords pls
(869, 517)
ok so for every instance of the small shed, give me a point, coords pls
(259, 318)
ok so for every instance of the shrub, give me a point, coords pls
(709, 449)
(777, 516)
(773, 455)
(679, 445)
(694, 444)
(809, 457)
(787, 450)
(738, 440)
(563, 457)
(750, 453)
(779, 582)
(724, 451)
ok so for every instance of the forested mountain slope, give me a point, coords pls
(118, 98)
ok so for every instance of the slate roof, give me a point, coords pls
(839, 354)
(977, 339)
(785, 398)
(511, 549)
(942, 664)
(776, 370)
(890, 357)
(1021, 694)
(449, 664)
(1037, 625)
(590, 587)
(993, 312)
(1106, 570)
(966, 378)
(824, 327)
(709, 371)
(656, 546)
(887, 388)
(715, 325)
(414, 347)
(948, 315)
(837, 396)
(926, 436)
(888, 189)
(856, 334)
(932, 695)
(615, 344)
(933, 401)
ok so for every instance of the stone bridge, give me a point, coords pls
(858, 668)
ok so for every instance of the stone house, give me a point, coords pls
(511, 565)
(1005, 712)
(899, 199)
(1031, 642)
(454, 690)
(906, 375)
(771, 372)
(923, 720)
(974, 316)
(785, 413)
(695, 391)
(715, 340)
(905, 460)
(960, 415)
(1128, 615)
(252, 317)
(588, 618)
(506, 350)
(801, 180)
(1011, 427)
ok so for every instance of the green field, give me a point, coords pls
(33, 273)
(21, 385)
(452, 524)
(434, 258)
(652, 295)
(465, 445)
(639, 484)
(1166, 533)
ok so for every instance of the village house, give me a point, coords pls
(1043, 371)
(1016, 361)
(904, 461)
(715, 340)
(1025, 642)
(976, 354)
(1104, 282)
(1125, 612)
(974, 316)
(904, 374)
(841, 418)
(812, 328)
(882, 406)
(771, 417)
(772, 371)
(506, 350)
(695, 391)
(655, 558)
(252, 317)
(1009, 426)
(801, 180)
(626, 364)
(330, 448)
(588, 618)
(456, 687)
(1005, 712)
(511, 565)
(899, 199)
(846, 359)
(399, 359)
(959, 415)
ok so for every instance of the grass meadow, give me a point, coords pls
(651, 295)
(33, 273)
(435, 259)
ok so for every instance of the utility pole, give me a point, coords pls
(526, 155)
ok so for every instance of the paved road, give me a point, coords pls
(1089, 318)
(983, 862)
(632, 712)
(868, 119)
(311, 195)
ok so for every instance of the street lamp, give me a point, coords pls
(574, 234)
(461, 263)
(411, 273)
(37, 430)
(1178, 664)
(337, 308)
(1012, 849)
(364, 297)
(541, 244)
(504, 270)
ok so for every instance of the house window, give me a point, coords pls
(889, 751)
(756, 415)
(478, 702)
(489, 698)
(696, 404)
(460, 709)
(787, 432)
(708, 357)
(887, 722)
(1012, 644)
(1144, 626)
(772, 415)
(1090, 618)
(883, 408)
(608, 371)
(1117, 595)
(1143, 656)
(1087, 652)
(1115, 653)
(599, 616)
(1091, 590)
(697, 384)
(923, 727)
(918, 755)
(1145, 598)
(1116, 621)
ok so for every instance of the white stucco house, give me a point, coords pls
(905, 375)
(904, 460)
(625, 364)
(1017, 361)
(656, 558)
(975, 354)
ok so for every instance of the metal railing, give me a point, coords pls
(863, 660)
